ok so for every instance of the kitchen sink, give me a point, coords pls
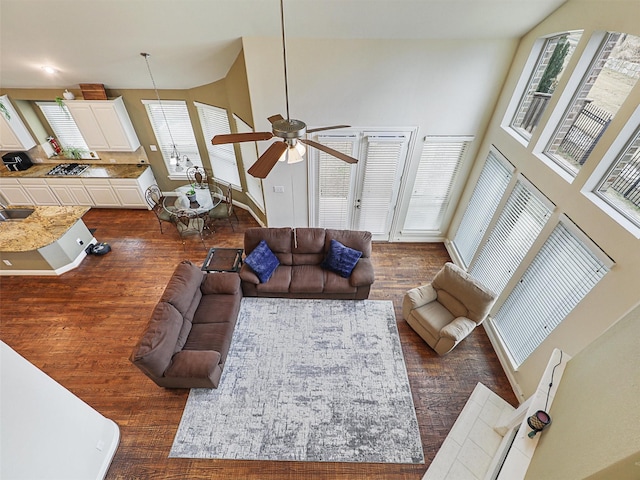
(15, 213)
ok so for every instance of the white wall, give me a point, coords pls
(442, 87)
(618, 291)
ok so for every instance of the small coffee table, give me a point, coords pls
(223, 260)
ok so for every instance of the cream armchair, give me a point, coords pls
(446, 310)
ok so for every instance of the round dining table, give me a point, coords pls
(191, 215)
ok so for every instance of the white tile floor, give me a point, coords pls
(468, 450)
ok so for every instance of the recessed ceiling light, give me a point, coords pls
(49, 69)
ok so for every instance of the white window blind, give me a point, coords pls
(486, 196)
(63, 125)
(249, 154)
(335, 183)
(179, 131)
(383, 166)
(437, 172)
(563, 272)
(520, 223)
(214, 121)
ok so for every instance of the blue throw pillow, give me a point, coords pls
(262, 261)
(341, 259)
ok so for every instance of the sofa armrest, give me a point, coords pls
(222, 282)
(248, 275)
(193, 364)
(362, 274)
(458, 329)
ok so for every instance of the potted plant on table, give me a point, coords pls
(191, 194)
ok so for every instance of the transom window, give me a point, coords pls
(604, 88)
(550, 66)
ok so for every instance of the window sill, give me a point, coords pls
(620, 219)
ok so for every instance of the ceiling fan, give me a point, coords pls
(291, 131)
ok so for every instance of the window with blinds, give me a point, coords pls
(63, 126)
(172, 126)
(249, 153)
(563, 272)
(518, 226)
(215, 121)
(383, 164)
(335, 184)
(487, 194)
(435, 178)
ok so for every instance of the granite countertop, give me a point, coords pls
(99, 170)
(43, 227)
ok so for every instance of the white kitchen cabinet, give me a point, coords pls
(104, 124)
(70, 192)
(131, 192)
(101, 192)
(14, 193)
(14, 134)
(39, 191)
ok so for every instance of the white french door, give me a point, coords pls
(361, 196)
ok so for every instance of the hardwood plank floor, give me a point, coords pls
(80, 328)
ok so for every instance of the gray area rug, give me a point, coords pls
(309, 380)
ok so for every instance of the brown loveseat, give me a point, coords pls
(300, 253)
(186, 341)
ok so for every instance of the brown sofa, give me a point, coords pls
(301, 252)
(186, 341)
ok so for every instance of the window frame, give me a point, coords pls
(165, 147)
(615, 152)
(221, 157)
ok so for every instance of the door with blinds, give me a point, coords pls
(361, 196)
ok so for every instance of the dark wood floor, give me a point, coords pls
(80, 328)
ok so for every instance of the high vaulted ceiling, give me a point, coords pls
(194, 42)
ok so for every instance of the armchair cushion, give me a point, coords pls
(458, 329)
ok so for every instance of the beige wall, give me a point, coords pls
(618, 291)
(594, 434)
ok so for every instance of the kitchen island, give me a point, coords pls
(50, 241)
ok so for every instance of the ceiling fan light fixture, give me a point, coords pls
(294, 153)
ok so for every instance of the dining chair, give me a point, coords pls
(154, 199)
(223, 210)
(186, 220)
(197, 176)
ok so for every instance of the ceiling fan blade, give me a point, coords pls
(330, 151)
(241, 137)
(333, 127)
(267, 160)
(275, 118)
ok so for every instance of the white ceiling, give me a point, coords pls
(194, 42)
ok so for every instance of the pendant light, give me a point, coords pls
(174, 157)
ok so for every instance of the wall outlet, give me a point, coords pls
(7, 263)
(112, 160)
(79, 241)
(153, 148)
(38, 160)
(278, 189)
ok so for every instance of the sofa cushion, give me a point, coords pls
(278, 240)
(279, 282)
(308, 246)
(211, 336)
(341, 259)
(356, 239)
(182, 287)
(307, 279)
(223, 282)
(334, 283)
(157, 345)
(262, 261)
(217, 308)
